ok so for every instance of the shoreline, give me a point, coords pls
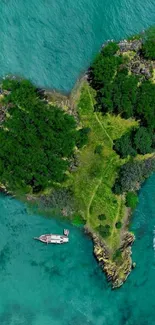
(117, 268)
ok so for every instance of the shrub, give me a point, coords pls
(117, 256)
(124, 147)
(99, 149)
(133, 173)
(102, 217)
(104, 231)
(82, 137)
(96, 169)
(131, 200)
(118, 225)
(142, 141)
(78, 220)
(148, 47)
(145, 105)
(110, 49)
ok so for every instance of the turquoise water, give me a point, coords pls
(53, 41)
(63, 285)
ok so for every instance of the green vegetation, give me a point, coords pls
(143, 141)
(120, 91)
(139, 141)
(36, 140)
(118, 225)
(104, 231)
(131, 200)
(97, 169)
(102, 217)
(78, 220)
(91, 169)
(148, 48)
(133, 173)
(110, 49)
(117, 256)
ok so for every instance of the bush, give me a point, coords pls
(82, 137)
(117, 256)
(124, 147)
(102, 217)
(110, 49)
(98, 149)
(134, 173)
(145, 105)
(96, 169)
(142, 141)
(118, 225)
(148, 47)
(78, 220)
(104, 231)
(103, 71)
(131, 200)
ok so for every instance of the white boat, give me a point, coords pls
(54, 239)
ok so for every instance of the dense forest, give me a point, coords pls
(120, 89)
(36, 139)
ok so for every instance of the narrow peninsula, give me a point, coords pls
(85, 156)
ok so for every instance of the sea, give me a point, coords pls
(52, 42)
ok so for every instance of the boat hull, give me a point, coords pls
(53, 239)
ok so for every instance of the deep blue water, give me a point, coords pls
(52, 43)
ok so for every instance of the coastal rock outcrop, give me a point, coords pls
(116, 271)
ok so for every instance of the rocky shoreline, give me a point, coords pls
(115, 273)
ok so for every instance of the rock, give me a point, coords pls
(134, 45)
(133, 265)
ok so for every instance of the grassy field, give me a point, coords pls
(93, 180)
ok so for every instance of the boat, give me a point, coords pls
(54, 239)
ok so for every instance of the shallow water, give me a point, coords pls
(63, 285)
(53, 41)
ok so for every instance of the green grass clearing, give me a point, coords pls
(93, 180)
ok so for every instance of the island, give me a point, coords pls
(84, 156)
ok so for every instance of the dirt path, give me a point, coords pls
(103, 128)
(116, 218)
(95, 190)
(92, 197)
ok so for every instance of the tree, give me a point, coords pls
(142, 141)
(98, 149)
(110, 49)
(145, 105)
(148, 47)
(118, 225)
(123, 146)
(36, 140)
(104, 231)
(102, 217)
(133, 173)
(124, 93)
(103, 70)
(82, 137)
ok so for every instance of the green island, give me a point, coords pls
(85, 156)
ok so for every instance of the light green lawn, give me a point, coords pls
(93, 180)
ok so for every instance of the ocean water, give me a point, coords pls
(63, 285)
(52, 41)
